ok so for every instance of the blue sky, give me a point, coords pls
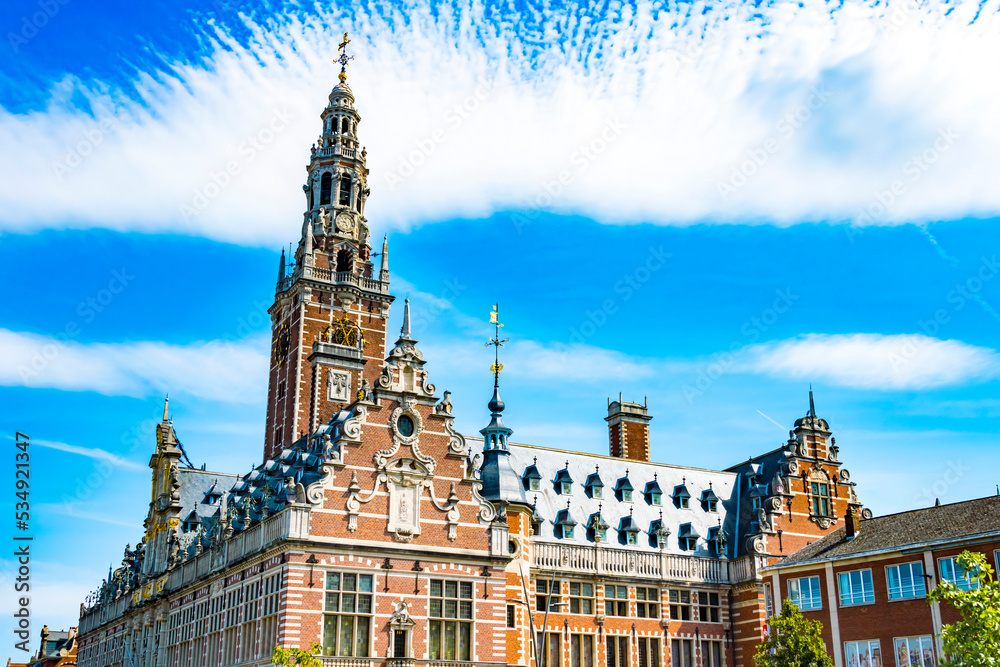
(711, 205)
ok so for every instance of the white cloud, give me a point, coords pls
(875, 361)
(90, 452)
(214, 370)
(697, 90)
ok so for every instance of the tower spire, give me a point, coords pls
(384, 273)
(404, 332)
(812, 403)
(166, 406)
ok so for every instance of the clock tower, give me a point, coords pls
(331, 304)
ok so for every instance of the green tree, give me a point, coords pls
(296, 657)
(975, 640)
(795, 641)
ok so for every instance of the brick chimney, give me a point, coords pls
(852, 522)
(628, 429)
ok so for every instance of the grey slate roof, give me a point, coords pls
(895, 532)
(582, 507)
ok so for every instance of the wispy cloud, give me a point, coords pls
(488, 105)
(215, 370)
(90, 452)
(875, 361)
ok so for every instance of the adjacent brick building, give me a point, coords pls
(374, 529)
(867, 582)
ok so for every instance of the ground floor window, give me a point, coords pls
(711, 653)
(450, 640)
(863, 654)
(681, 653)
(649, 652)
(581, 651)
(915, 651)
(618, 652)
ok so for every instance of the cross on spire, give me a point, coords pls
(343, 59)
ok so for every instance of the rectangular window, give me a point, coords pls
(768, 601)
(568, 532)
(906, 581)
(451, 636)
(567, 488)
(953, 572)
(618, 651)
(805, 593)
(347, 614)
(708, 607)
(863, 654)
(915, 651)
(655, 498)
(632, 538)
(532, 483)
(581, 598)
(552, 649)
(820, 499)
(597, 491)
(510, 616)
(648, 602)
(680, 605)
(711, 654)
(680, 653)
(547, 594)
(627, 495)
(649, 652)
(712, 505)
(856, 588)
(615, 600)
(581, 651)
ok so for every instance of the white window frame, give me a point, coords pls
(566, 488)
(866, 645)
(919, 586)
(867, 592)
(964, 583)
(815, 597)
(921, 640)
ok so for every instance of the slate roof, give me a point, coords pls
(582, 507)
(896, 532)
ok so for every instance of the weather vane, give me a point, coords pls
(497, 343)
(343, 58)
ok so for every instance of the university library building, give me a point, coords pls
(374, 529)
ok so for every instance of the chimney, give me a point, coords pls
(628, 429)
(852, 522)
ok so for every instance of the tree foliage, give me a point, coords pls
(975, 640)
(795, 641)
(296, 657)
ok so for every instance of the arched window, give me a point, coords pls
(325, 185)
(346, 126)
(345, 190)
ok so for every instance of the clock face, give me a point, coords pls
(345, 223)
(281, 344)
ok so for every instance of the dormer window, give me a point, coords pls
(628, 531)
(212, 496)
(531, 477)
(594, 486)
(565, 524)
(717, 541)
(653, 493)
(682, 498)
(191, 523)
(658, 534)
(564, 483)
(688, 537)
(597, 528)
(624, 489)
(709, 501)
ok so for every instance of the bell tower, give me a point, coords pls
(331, 304)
